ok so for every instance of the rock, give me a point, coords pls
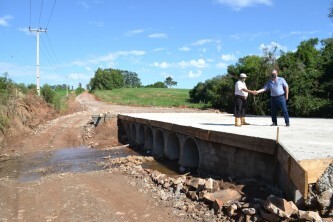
(192, 195)
(195, 182)
(325, 199)
(227, 196)
(280, 207)
(216, 185)
(209, 184)
(269, 216)
(309, 216)
(217, 205)
(249, 211)
(177, 181)
(231, 210)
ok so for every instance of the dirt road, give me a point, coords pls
(67, 194)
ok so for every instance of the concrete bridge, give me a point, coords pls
(291, 157)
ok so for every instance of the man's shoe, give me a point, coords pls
(287, 124)
(274, 124)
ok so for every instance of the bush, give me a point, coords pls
(79, 90)
(47, 93)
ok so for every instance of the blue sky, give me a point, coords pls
(189, 40)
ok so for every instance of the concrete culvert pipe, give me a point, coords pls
(190, 155)
(133, 134)
(128, 132)
(141, 136)
(149, 139)
(173, 147)
(158, 148)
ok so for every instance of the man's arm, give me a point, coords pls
(249, 91)
(261, 90)
(286, 92)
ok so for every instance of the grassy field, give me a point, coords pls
(163, 97)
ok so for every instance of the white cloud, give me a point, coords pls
(303, 34)
(251, 36)
(84, 4)
(162, 65)
(222, 65)
(228, 57)
(166, 75)
(110, 58)
(158, 36)
(98, 24)
(158, 49)
(134, 32)
(193, 75)
(272, 46)
(203, 42)
(239, 4)
(26, 31)
(4, 20)
(79, 76)
(185, 49)
(200, 63)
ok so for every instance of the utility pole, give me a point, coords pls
(37, 59)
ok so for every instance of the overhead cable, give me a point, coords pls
(51, 13)
(40, 14)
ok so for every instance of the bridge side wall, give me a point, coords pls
(215, 152)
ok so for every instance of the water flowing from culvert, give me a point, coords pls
(31, 167)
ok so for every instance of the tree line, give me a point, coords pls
(109, 79)
(308, 71)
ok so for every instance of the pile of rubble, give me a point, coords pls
(208, 199)
(321, 194)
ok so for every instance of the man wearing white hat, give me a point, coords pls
(240, 101)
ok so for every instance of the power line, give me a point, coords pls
(52, 50)
(40, 14)
(30, 14)
(51, 13)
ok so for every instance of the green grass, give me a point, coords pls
(60, 99)
(162, 97)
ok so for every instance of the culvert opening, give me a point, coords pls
(173, 147)
(149, 140)
(158, 149)
(133, 134)
(141, 136)
(190, 157)
(128, 132)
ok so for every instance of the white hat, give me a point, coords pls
(242, 75)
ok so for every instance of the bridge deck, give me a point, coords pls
(305, 139)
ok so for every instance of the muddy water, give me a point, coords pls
(169, 167)
(34, 166)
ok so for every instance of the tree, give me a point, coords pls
(107, 79)
(169, 82)
(157, 85)
(131, 79)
